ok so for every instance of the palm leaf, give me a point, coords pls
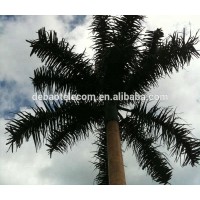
(148, 156)
(102, 35)
(53, 117)
(162, 124)
(61, 82)
(160, 58)
(101, 158)
(127, 29)
(60, 58)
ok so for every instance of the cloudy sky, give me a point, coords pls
(28, 167)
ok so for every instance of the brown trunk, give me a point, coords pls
(115, 160)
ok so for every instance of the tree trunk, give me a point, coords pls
(115, 161)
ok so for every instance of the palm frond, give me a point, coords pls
(127, 29)
(160, 58)
(115, 58)
(101, 158)
(47, 78)
(152, 41)
(67, 135)
(145, 74)
(60, 58)
(148, 156)
(163, 125)
(53, 117)
(84, 117)
(63, 82)
(102, 35)
(177, 51)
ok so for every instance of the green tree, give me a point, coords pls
(126, 59)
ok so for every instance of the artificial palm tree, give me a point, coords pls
(126, 59)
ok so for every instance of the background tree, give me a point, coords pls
(127, 59)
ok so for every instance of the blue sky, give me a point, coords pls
(28, 167)
(19, 99)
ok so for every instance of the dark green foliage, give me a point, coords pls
(127, 59)
(160, 58)
(64, 69)
(101, 158)
(145, 128)
(162, 124)
(60, 123)
(147, 154)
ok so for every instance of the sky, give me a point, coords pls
(74, 167)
